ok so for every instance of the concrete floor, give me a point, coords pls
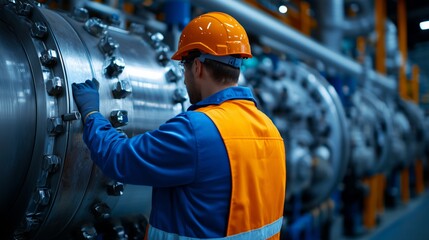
(407, 222)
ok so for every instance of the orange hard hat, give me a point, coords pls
(214, 33)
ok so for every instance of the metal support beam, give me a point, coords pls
(257, 22)
(402, 32)
(380, 23)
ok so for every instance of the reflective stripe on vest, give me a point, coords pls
(257, 159)
(258, 234)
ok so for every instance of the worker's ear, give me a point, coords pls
(197, 67)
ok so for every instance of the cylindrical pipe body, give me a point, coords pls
(53, 188)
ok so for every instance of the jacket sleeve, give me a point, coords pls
(161, 158)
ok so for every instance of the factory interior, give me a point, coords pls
(346, 82)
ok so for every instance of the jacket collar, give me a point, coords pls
(243, 93)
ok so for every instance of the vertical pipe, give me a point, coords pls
(380, 66)
(415, 83)
(305, 25)
(330, 15)
(370, 202)
(402, 32)
(420, 185)
(380, 21)
(361, 49)
(419, 163)
(177, 16)
(382, 187)
(403, 86)
(405, 185)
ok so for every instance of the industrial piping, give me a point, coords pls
(254, 20)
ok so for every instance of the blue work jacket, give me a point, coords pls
(184, 160)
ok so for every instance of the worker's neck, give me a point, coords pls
(211, 87)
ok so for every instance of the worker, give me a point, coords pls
(218, 170)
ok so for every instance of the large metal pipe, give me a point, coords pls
(330, 17)
(257, 22)
(51, 188)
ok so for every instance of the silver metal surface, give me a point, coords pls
(17, 118)
(53, 189)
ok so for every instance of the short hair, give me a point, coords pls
(221, 72)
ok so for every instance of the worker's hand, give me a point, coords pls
(86, 97)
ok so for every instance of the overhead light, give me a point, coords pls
(283, 9)
(424, 25)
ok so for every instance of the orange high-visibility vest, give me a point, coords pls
(257, 158)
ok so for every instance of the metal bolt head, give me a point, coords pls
(55, 126)
(162, 58)
(54, 86)
(95, 27)
(31, 223)
(115, 66)
(107, 45)
(101, 210)
(80, 14)
(119, 118)
(42, 197)
(122, 89)
(114, 20)
(52, 163)
(88, 232)
(180, 95)
(71, 116)
(49, 58)
(174, 74)
(24, 9)
(119, 232)
(137, 29)
(39, 30)
(115, 189)
(157, 38)
(156, 41)
(316, 95)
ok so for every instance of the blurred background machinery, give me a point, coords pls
(333, 75)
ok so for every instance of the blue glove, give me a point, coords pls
(86, 97)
